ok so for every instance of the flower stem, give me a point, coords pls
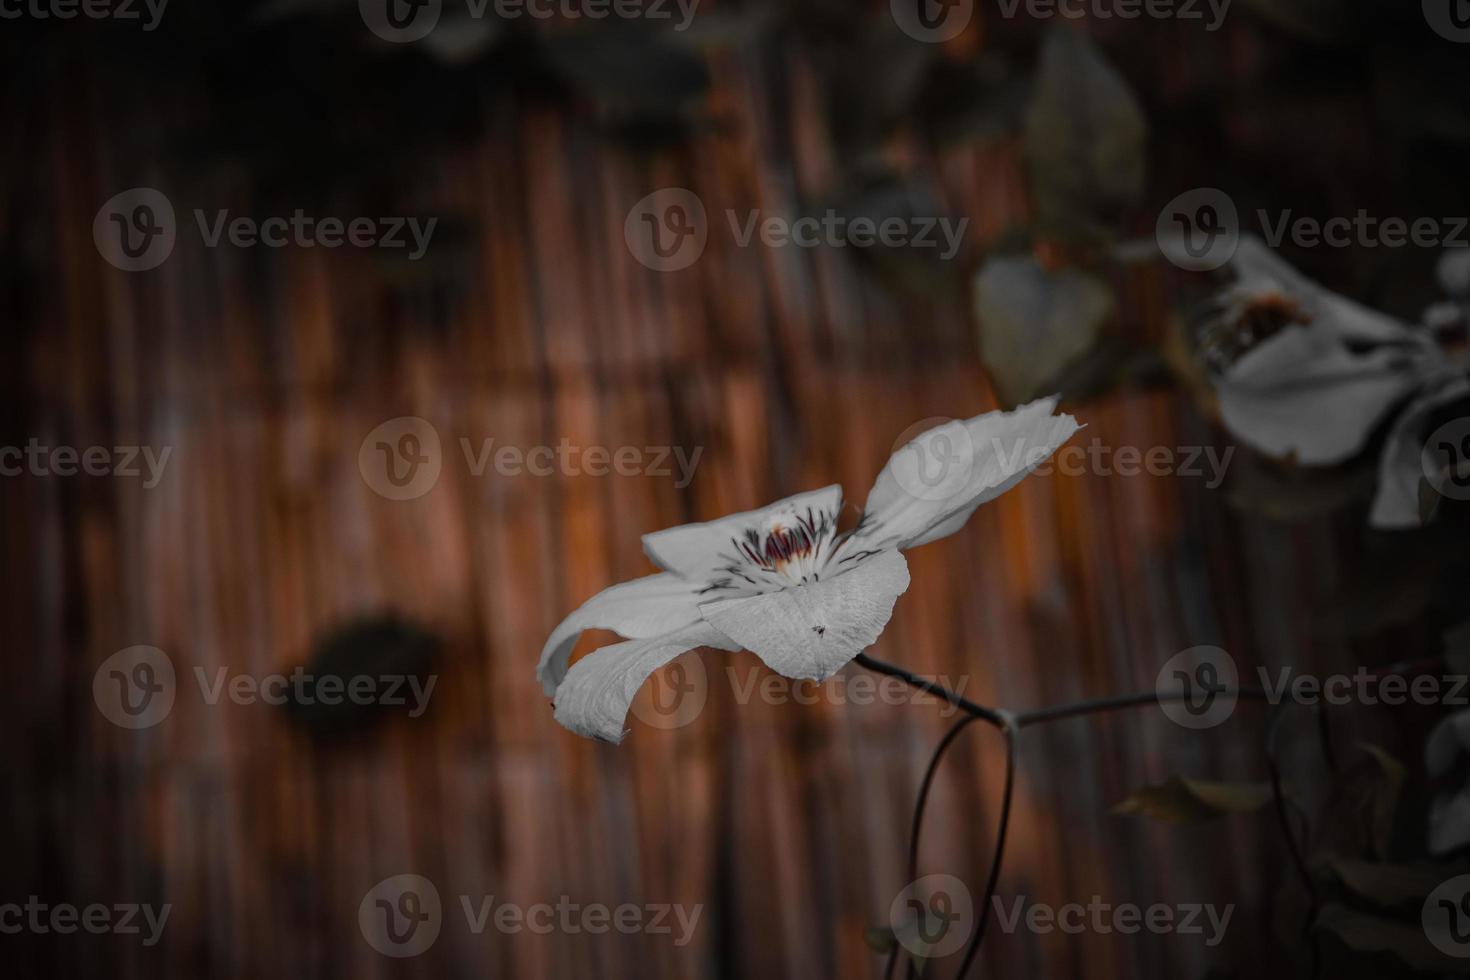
(1010, 726)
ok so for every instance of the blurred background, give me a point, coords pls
(238, 521)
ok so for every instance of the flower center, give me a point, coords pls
(791, 549)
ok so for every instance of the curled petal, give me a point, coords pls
(811, 631)
(1401, 466)
(644, 607)
(1261, 270)
(1449, 822)
(1449, 740)
(1303, 393)
(595, 695)
(931, 486)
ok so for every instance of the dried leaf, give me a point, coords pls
(1084, 138)
(1373, 934)
(1181, 800)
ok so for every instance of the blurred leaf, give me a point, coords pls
(1359, 822)
(1181, 800)
(978, 99)
(873, 81)
(632, 75)
(1111, 364)
(1388, 885)
(1084, 138)
(880, 940)
(1035, 322)
(1383, 799)
(1372, 934)
(922, 269)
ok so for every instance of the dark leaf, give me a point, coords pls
(1373, 934)
(1084, 139)
(1181, 800)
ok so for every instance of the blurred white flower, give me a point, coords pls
(1449, 814)
(782, 581)
(1320, 373)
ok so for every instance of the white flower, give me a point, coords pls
(1327, 372)
(1449, 814)
(782, 581)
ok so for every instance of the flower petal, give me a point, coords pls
(1261, 270)
(1449, 740)
(1449, 822)
(1303, 392)
(931, 486)
(810, 631)
(595, 695)
(1401, 466)
(644, 607)
(696, 551)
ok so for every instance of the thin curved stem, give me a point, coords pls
(1013, 747)
(1298, 860)
(918, 822)
(990, 715)
(924, 787)
(1076, 709)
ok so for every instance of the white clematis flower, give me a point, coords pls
(1316, 388)
(781, 581)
